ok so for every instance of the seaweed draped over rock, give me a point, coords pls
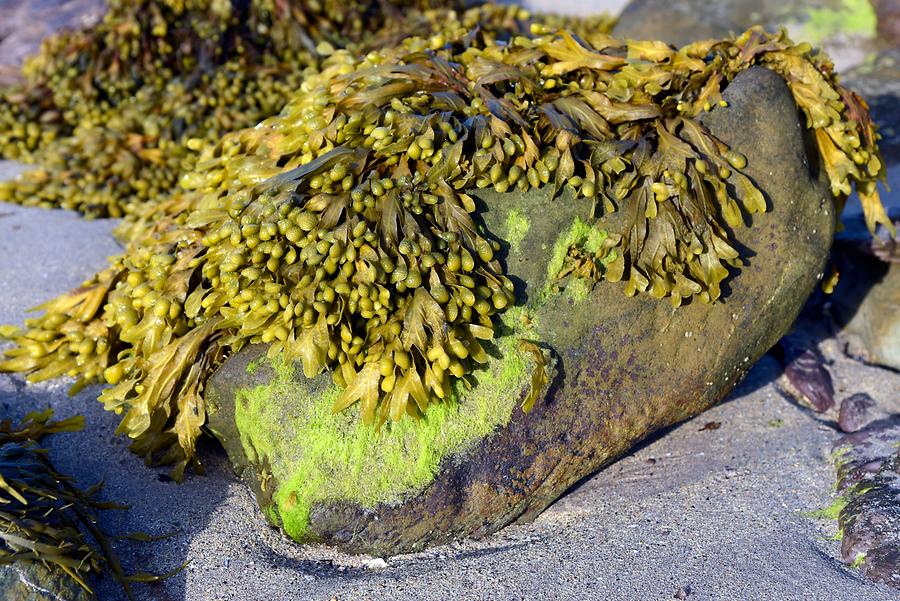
(114, 114)
(342, 232)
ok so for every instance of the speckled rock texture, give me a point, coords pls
(869, 478)
(626, 367)
(31, 581)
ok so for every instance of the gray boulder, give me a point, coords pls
(623, 368)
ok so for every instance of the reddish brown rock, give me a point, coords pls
(854, 412)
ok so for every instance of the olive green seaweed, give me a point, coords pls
(45, 517)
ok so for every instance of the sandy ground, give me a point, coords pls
(723, 514)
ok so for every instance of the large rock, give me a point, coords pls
(867, 305)
(835, 23)
(868, 477)
(624, 368)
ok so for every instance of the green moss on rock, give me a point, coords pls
(308, 455)
(852, 17)
(578, 289)
(517, 226)
(580, 234)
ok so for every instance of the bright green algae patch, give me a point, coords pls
(517, 226)
(853, 17)
(589, 237)
(314, 455)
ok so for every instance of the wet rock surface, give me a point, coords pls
(869, 476)
(31, 581)
(628, 366)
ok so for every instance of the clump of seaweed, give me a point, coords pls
(115, 114)
(44, 517)
(342, 232)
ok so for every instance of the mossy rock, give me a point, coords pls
(622, 367)
(681, 22)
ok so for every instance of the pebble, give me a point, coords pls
(855, 411)
(810, 381)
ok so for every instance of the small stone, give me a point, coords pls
(854, 412)
(682, 592)
(809, 382)
(376, 564)
(867, 306)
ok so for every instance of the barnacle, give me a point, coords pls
(44, 516)
(342, 232)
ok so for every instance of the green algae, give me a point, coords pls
(831, 512)
(578, 290)
(252, 367)
(313, 455)
(574, 236)
(517, 226)
(583, 235)
(853, 17)
(858, 561)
